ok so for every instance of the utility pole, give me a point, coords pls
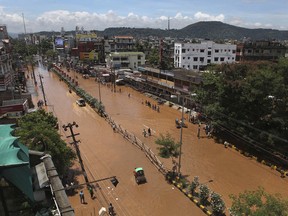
(31, 61)
(75, 143)
(42, 87)
(99, 82)
(114, 80)
(181, 135)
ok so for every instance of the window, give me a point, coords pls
(189, 57)
(183, 57)
(216, 51)
(202, 50)
(209, 53)
(201, 59)
(216, 59)
(222, 59)
(183, 50)
(139, 57)
(195, 59)
(195, 67)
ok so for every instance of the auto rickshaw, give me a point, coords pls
(139, 175)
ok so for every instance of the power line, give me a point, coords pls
(251, 141)
(251, 127)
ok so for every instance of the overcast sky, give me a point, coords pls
(51, 15)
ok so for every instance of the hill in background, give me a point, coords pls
(212, 30)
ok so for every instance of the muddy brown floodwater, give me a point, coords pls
(106, 153)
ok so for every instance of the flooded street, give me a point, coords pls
(106, 153)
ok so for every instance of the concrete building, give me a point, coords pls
(6, 71)
(89, 47)
(196, 56)
(260, 50)
(130, 60)
(122, 44)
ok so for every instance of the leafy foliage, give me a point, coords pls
(153, 57)
(204, 193)
(168, 148)
(258, 202)
(37, 131)
(194, 184)
(217, 203)
(249, 99)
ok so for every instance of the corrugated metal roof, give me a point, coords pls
(14, 161)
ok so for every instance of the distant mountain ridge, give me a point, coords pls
(213, 30)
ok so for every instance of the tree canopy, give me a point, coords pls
(249, 100)
(258, 203)
(38, 131)
(168, 147)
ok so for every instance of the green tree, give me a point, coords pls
(204, 193)
(168, 147)
(45, 45)
(38, 131)
(194, 184)
(257, 203)
(153, 57)
(19, 46)
(51, 54)
(217, 203)
(249, 100)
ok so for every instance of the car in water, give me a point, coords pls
(81, 102)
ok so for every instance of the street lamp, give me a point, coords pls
(181, 133)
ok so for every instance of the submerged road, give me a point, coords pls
(106, 153)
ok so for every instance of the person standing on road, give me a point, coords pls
(82, 198)
(90, 189)
(111, 210)
(144, 133)
(149, 132)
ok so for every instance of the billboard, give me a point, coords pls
(59, 42)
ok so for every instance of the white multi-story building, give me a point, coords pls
(195, 56)
(125, 60)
